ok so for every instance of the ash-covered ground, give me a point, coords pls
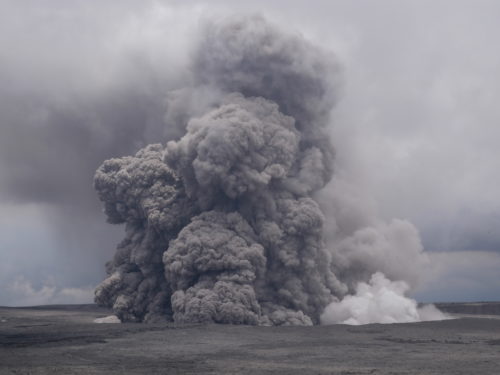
(65, 340)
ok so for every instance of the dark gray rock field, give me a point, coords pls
(65, 340)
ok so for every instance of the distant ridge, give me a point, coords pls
(474, 308)
(67, 307)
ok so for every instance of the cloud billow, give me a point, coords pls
(223, 224)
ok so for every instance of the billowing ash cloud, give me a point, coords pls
(222, 224)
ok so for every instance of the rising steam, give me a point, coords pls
(379, 301)
(223, 225)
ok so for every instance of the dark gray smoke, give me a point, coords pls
(222, 224)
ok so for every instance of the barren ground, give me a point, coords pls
(64, 340)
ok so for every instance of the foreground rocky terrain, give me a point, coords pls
(65, 340)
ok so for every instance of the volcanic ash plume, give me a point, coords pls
(221, 224)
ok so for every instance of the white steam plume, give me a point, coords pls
(379, 301)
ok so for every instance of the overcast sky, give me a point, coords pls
(416, 127)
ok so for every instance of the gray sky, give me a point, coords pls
(415, 128)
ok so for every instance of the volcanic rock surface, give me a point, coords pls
(65, 340)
